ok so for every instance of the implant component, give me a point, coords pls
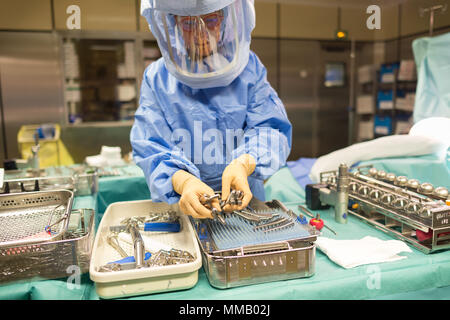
(426, 188)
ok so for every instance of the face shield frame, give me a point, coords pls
(243, 19)
(171, 41)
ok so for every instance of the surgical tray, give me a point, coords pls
(26, 217)
(397, 205)
(247, 258)
(81, 180)
(146, 280)
(52, 259)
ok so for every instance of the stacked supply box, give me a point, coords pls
(383, 125)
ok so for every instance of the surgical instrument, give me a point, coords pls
(307, 212)
(112, 240)
(404, 208)
(138, 243)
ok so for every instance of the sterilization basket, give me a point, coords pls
(52, 259)
(34, 217)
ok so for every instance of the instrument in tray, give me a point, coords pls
(40, 235)
(34, 217)
(415, 212)
(276, 246)
(81, 180)
(142, 257)
(235, 198)
(174, 261)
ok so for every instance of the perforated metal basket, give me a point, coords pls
(51, 259)
(80, 180)
(34, 217)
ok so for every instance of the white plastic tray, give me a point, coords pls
(146, 280)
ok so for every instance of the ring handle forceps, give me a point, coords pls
(207, 202)
(48, 227)
(132, 227)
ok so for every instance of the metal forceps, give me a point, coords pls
(48, 227)
(234, 198)
(112, 240)
(207, 202)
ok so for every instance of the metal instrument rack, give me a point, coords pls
(51, 259)
(34, 202)
(399, 206)
(80, 180)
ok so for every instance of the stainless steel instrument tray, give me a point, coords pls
(389, 217)
(81, 180)
(25, 216)
(52, 259)
(258, 263)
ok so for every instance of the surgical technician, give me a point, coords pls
(208, 119)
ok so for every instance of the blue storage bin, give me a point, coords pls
(382, 125)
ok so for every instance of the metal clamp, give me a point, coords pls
(113, 241)
(174, 256)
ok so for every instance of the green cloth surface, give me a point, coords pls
(420, 276)
(428, 168)
(130, 186)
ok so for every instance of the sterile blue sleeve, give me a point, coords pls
(268, 131)
(153, 149)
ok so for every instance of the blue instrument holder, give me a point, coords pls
(131, 259)
(162, 226)
(302, 220)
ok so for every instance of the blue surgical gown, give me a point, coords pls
(202, 130)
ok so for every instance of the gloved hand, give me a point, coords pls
(192, 190)
(235, 177)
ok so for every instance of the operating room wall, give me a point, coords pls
(402, 47)
(2, 128)
(318, 114)
(294, 68)
(298, 90)
(288, 38)
(31, 83)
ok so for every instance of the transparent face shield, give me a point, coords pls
(203, 45)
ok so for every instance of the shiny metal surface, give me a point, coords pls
(257, 263)
(282, 261)
(82, 181)
(25, 217)
(2, 137)
(332, 114)
(415, 215)
(342, 187)
(441, 192)
(51, 260)
(390, 177)
(299, 79)
(31, 80)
